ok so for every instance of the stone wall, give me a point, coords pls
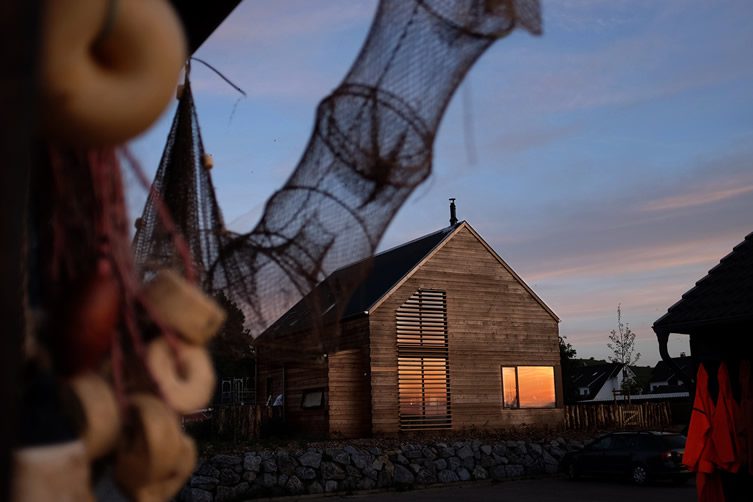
(349, 468)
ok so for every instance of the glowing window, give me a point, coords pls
(422, 365)
(528, 387)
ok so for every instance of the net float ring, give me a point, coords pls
(165, 489)
(151, 446)
(185, 377)
(100, 414)
(108, 69)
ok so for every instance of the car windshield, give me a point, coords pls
(675, 441)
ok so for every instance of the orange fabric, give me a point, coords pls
(745, 416)
(709, 487)
(700, 426)
(722, 450)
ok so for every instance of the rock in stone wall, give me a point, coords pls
(227, 478)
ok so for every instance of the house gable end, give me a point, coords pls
(463, 225)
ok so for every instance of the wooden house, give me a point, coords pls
(441, 334)
(598, 382)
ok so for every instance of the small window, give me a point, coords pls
(528, 387)
(312, 399)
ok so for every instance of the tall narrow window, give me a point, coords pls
(528, 387)
(422, 367)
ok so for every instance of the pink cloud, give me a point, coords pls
(697, 198)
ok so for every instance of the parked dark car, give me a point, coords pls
(641, 456)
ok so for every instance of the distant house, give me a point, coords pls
(598, 382)
(442, 334)
(666, 379)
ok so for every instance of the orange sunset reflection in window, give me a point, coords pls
(528, 387)
(423, 386)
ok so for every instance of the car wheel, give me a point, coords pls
(572, 472)
(639, 474)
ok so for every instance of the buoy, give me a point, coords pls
(184, 307)
(100, 413)
(104, 84)
(186, 379)
(52, 472)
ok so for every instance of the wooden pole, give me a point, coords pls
(19, 47)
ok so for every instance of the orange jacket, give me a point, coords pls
(744, 421)
(722, 450)
(700, 426)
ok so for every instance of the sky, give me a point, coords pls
(608, 161)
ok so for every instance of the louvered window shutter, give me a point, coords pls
(423, 369)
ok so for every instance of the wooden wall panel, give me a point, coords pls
(349, 394)
(492, 321)
(310, 422)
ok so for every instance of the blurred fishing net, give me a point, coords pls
(370, 148)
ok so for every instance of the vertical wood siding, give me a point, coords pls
(349, 394)
(493, 321)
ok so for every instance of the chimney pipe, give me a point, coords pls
(453, 214)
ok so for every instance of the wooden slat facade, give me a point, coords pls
(423, 371)
(492, 321)
(300, 362)
(349, 394)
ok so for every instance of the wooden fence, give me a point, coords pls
(605, 416)
(236, 422)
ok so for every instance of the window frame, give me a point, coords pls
(307, 392)
(517, 387)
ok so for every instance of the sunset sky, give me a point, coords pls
(608, 161)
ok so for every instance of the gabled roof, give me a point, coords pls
(389, 270)
(662, 372)
(593, 377)
(724, 295)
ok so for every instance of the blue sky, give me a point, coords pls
(608, 161)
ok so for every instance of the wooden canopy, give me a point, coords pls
(200, 19)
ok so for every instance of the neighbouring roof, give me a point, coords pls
(388, 269)
(723, 296)
(662, 372)
(593, 377)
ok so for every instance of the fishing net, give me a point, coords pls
(370, 147)
(182, 199)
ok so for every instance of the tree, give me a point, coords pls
(234, 341)
(622, 344)
(567, 356)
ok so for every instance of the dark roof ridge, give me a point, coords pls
(719, 296)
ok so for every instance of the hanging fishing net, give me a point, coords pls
(182, 199)
(371, 146)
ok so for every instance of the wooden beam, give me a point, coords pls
(200, 19)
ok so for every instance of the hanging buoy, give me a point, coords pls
(207, 161)
(100, 413)
(186, 378)
(165, 489)
(184, 307)
(151, 447)
(52, 472)
(104, 82)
